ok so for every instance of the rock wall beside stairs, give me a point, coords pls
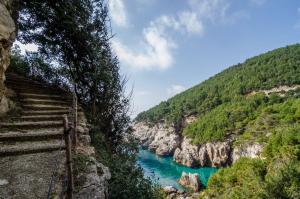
(7, 37)
(92, 179)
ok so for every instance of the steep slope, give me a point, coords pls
(269, 70)
(228, 116)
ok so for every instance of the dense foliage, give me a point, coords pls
(74, 36)
(277, 176)
(127, 177)
(223, 104)
(275, 68)
(227, 106)
(74, 48)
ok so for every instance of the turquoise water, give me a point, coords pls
(166, 172)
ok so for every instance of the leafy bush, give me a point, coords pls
(127, 179)
(245, 179)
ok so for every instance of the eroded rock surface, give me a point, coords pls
(188, 154)
(7, 37)
(248, 151)
(92, 181)
(160, 138)
(165, 140)
(190, 181)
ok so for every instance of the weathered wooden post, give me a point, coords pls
(74, 136)
(69, 169)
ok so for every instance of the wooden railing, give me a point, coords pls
(70, 140)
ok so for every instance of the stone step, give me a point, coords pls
(28, 175)
(43, 112)
(45, 101)
(44, 91)
(36, 118)
(42, 107)
(18, 148)
(30, 125)
(43, 96)
(39, 135)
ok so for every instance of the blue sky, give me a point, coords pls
(167, 46)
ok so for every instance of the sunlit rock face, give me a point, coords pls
(159, 138)
(7, 37)
(190, 181)
(215, 154)
(249, 151)
(166, 140)
(187, 154)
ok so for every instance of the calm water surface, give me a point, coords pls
(166, 172)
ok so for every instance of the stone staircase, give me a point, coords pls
(32, 140)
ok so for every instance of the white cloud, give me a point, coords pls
(175, 89)
(155, 53)
(210, 9)
(185, 22)
(192, 24)
(118, 12)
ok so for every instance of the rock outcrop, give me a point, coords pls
(165, 140)
(215, 154)
(190, 181)
(187, 154)
(248, 151)
(160, 138)
(7, 37)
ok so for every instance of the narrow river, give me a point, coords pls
(166, 172)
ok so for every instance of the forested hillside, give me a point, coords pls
(221, 102)
(275, 68)
(256, 102)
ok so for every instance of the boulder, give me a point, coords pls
(190, 181)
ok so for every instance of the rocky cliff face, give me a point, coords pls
(217, 154)
(165, 140)
(249, 150)
(160, 138)
(7, 37)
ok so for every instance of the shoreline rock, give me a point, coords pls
(161, 139)
(166, 140)
(190, 181)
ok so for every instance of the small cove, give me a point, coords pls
(166, 172)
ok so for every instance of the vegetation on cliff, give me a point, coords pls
(233, 104)
(222, 103)
(277, 176)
